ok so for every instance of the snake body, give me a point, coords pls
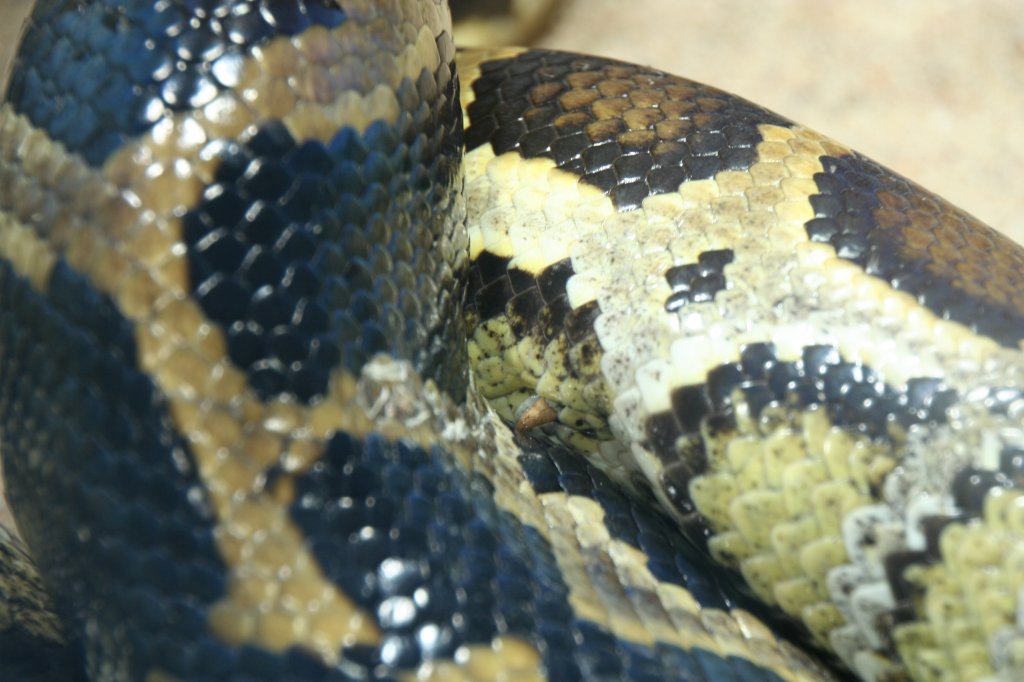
(316, 365)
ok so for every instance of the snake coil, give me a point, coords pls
(329, 353)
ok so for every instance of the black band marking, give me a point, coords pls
(698, 282)
(629, 131)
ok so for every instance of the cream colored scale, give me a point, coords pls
(787, 290)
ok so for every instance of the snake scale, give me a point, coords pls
(329, 353)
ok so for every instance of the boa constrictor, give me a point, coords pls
(329, 353)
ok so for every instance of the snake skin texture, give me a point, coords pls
(329, 353)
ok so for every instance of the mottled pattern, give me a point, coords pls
(957, 267)
(629, 131)
(105, 447)
(235, 416)
(527, 340)
(32, 644)
(818, 423)
(312, 256)
(851, 393)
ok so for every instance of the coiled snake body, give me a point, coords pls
(740, 404)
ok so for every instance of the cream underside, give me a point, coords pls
(782, 288)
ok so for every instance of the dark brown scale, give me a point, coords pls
(933, 526)
(579, 322)
(553, 280)
(956, 266)
(690, 404)
(491, 299)
(675, 480)
(904, 591)
(1011, 463)
(662, 430)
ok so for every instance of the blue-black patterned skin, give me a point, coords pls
(472, 572)
(852, 393)
(302, 255)
(671, 556)
(131, 546)
(86, 74)
(87, 78)
(120, 524)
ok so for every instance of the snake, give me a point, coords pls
(331, 352)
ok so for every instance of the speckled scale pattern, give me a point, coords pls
(521, 320)
(250, 496)
(852, 394)
(83, 76)
(496, 288)
(629, 131)
(956, 266)
(790, 403)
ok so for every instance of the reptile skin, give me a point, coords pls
(329, 353)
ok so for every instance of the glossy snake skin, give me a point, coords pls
(327, 353)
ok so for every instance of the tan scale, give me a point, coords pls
(611, 584)
(510, 370)
(663, 613)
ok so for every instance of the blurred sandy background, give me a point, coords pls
(934, 90)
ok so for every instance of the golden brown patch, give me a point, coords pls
(537, 415)
(959, 250)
